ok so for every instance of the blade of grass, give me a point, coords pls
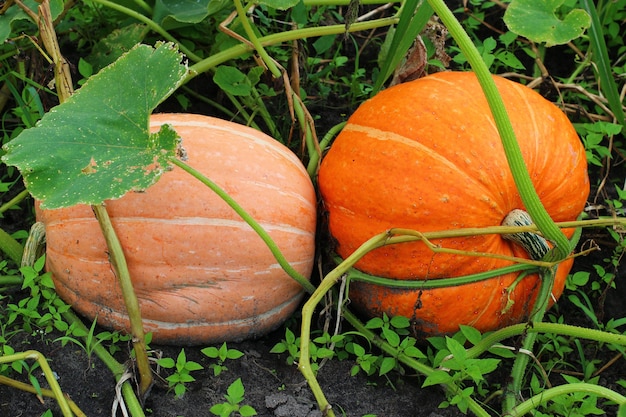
(411, 23)
(10, 247)
(603, 64)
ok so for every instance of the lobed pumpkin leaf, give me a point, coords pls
(537, 21)
(97, 146)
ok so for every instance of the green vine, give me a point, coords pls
(303, 281)
(524, 185)
(47, 372)
(511, 147)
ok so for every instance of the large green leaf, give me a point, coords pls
(97, 145)
(179, 13)
(537, 21)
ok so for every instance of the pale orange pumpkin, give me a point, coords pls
(426, 155)
(201, 274)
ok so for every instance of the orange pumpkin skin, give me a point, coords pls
(201, 274)
(426, 155)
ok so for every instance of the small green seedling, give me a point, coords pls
(234, 397)
(319, 348)
(221, 355)
(182, 373)
(91, 339)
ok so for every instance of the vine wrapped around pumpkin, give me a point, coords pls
(426, 155)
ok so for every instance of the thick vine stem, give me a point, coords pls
(356, 275)
(511, 395)
(304, 361)
(511, 147)
(277, 38)
(522, 179)
(395, 236)
(314, 160)
(495, 337)
(31, 250)
(118, 261)
(550, 393)
(255, 40)
(65, 90)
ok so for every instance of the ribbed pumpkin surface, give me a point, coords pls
(201, 273)
(426, 155)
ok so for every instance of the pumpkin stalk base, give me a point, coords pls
(534, 244)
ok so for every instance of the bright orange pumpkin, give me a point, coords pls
(201, 274)
(426, 155)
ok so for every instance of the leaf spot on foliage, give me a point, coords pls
(90, 168)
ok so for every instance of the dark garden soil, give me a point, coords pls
(272, 387)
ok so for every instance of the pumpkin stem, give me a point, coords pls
(536, 245)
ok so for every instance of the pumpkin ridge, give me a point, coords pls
(488, 303)
(377, 134)
(167, 325)
(201, 273)
(204, 221)
(199, 221)
(227, 129)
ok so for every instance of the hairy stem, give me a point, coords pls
(278, 38)
(522, 180)
(553, 328)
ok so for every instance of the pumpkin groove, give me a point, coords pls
(201, 274)
(426, 155)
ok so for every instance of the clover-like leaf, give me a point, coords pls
(537, 21)
(97, 146)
